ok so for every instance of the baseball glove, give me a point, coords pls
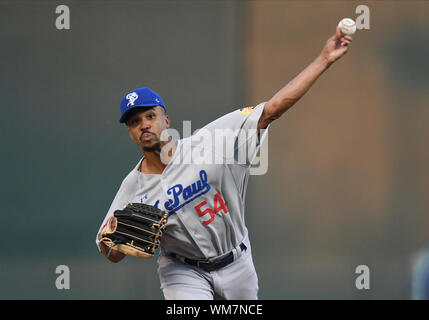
(136, 230)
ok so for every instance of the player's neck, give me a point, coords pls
(152, 163)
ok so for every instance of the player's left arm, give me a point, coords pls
(335, 47)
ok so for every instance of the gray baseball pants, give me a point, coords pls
(236, 281)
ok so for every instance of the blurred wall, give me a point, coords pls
(65, 153)
(348, 164)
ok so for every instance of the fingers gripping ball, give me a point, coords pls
(347, 26)
(136, 230)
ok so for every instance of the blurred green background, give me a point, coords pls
(348, 177)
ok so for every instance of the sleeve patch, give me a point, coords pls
(247, 110)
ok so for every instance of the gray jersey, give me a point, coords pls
(206, 201)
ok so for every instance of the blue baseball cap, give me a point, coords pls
(141, 97)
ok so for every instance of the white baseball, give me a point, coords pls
(347, 26)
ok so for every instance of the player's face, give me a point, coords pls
(145, 127)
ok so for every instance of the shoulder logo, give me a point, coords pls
(131, 97)
(247, 110)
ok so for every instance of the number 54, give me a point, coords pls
(218, 205)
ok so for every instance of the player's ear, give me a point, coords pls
(130, 134)
(167, 121)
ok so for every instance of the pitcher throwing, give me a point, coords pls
(205, 251)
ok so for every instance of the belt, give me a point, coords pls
(213, 265)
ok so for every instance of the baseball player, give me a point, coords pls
(205, 249)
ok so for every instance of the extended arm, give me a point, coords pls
(335, 47)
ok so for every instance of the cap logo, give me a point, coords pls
(131, 97)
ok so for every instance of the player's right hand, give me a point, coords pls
(336, 46)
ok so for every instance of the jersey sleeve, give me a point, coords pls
(123, 197)
(235, 137)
